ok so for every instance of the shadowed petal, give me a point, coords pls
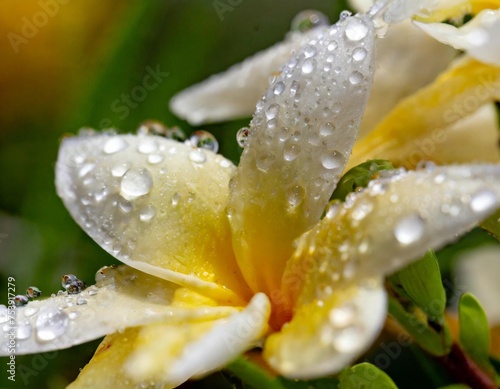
(326, 335)
(156, 205)
(131, 298)
(164, 354)
(299, 142)
(479, 37)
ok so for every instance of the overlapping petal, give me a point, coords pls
(165, 354)
(299, 141)
(130, 298)
(479, 37)
(156, 205)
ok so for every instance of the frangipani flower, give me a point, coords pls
(221, 259)
(459, 102)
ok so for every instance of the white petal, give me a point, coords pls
(393, 222)
(478, 272)
(323, 338)
(197, 349)
(479, 37)
(300, 139)
(395, 11)
(402, 68)
(133, 299)
(233, 93)
(155, 204)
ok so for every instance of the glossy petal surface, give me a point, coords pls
(156, 205)
(299, 142)
(164, 354)
(132, 298)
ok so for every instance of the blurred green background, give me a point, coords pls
(63, 65)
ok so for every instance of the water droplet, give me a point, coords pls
(355, 77)
(76, 287)
(175, 133)
(410, 229)
(67, 279)
(24, 330)
(204, 140)
(135, 183)
(308, 19)
(332, 46)
(4, 314)
(345, 14)
(348, 340)
(327, 129)
(73, 315)
(30, 311)
(291, 152)
(20, 300)
(310, 51)
(271, 124)
(343, 316)
(294, 88)
(242, 136)
(125, 206)
(154, 159)
(359, 54)
(50, 324)
(147, 214)
(279, 88)
(272, 111)
(105, 276)
(114, 145)
(332, 160)
(175, 198)
(147, 146)
(33, 292)
(120, 169)
(81, 301)
(197, 156)
(332, 209)
(308, 66)
(361, 209)
(86, 169)
(482, 201)
(356, 29)
(296, 195)
(152, 127)
(264, 162)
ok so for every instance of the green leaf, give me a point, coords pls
(252, 374)
(492, 224)
(474, 335)
(359, 176)
(365, 375)
(421, 283)
(435, 341)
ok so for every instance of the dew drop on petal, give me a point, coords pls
(345, 14)
(356, 29)
(50, 324)
(242, 136)
(147, 214)
(120, 169)
(105, 276)
(272, 111)
(308, 19)
(176, 198)
(147, 146)
(204, 140)
(343, 316)
(331, 160)
(482, 200)
(310, 51)
(135, 183)
(348, 340)
(279, 88)
(359, 54)
(154, 159)
(308, 66)
(409, 229)
(326, 129)
(20, 300)
(33, 292)
(24, 330)
(296, 195)
(355, 77)
(114, 145)
(197, 156)
(67, 279)
(291, 152)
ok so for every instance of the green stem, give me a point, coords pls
(252, 374)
